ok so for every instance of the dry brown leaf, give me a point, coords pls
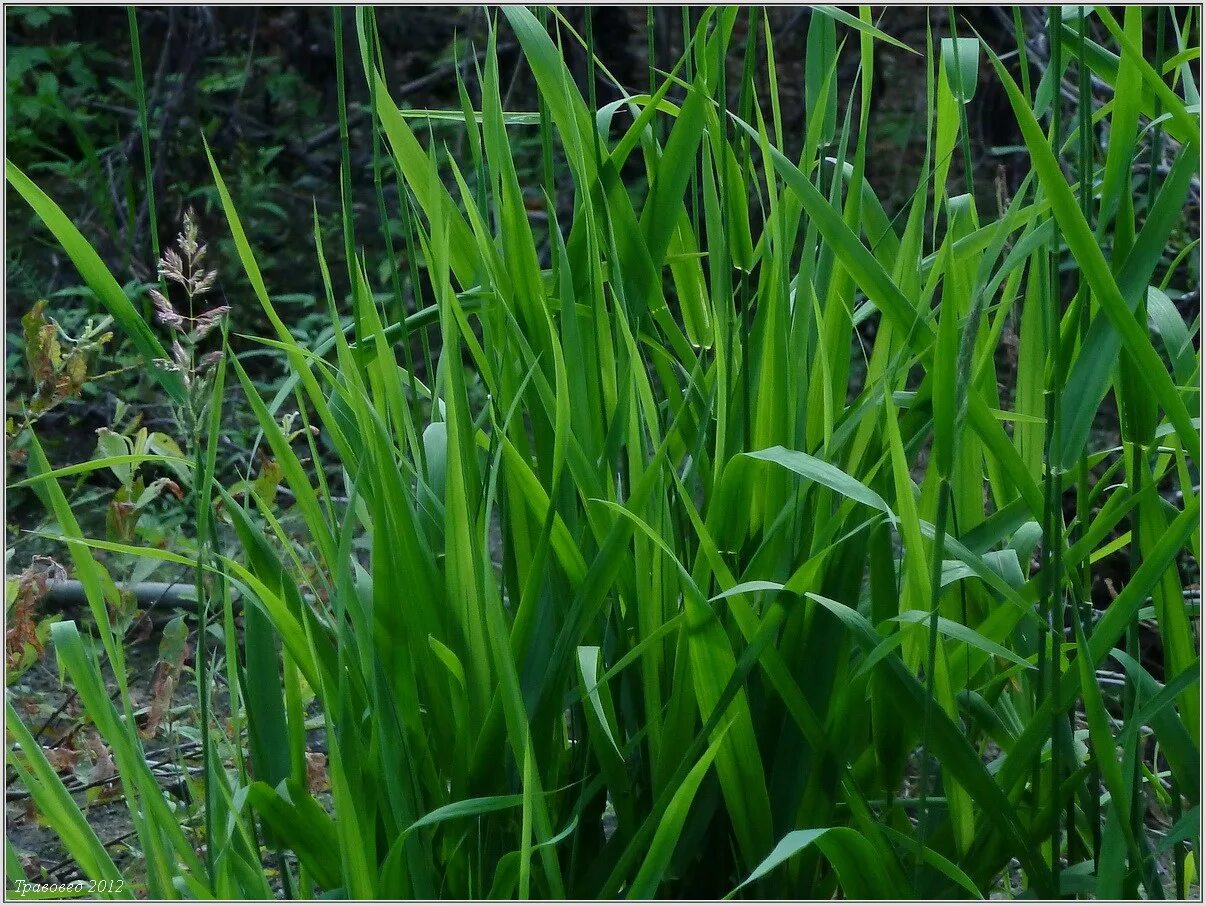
(162, 688)
(317, 779)
(22, 618)
(62, 758)
(103, 767)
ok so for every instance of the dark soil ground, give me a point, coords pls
(50, 708)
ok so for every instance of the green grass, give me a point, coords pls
(660, 578)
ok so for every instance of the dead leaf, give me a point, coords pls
(21, 637)
(31, 865)
(162, 688)
(57, 375)
(317, 779)
(62, 758)
(172, 652)
(104, 770)
(29, 812)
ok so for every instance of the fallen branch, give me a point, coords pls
(70, 592)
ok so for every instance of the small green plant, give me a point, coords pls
(710, 589)
(56, 363)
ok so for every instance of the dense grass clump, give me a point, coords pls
(715, 531)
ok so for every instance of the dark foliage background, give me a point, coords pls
(258, 83)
